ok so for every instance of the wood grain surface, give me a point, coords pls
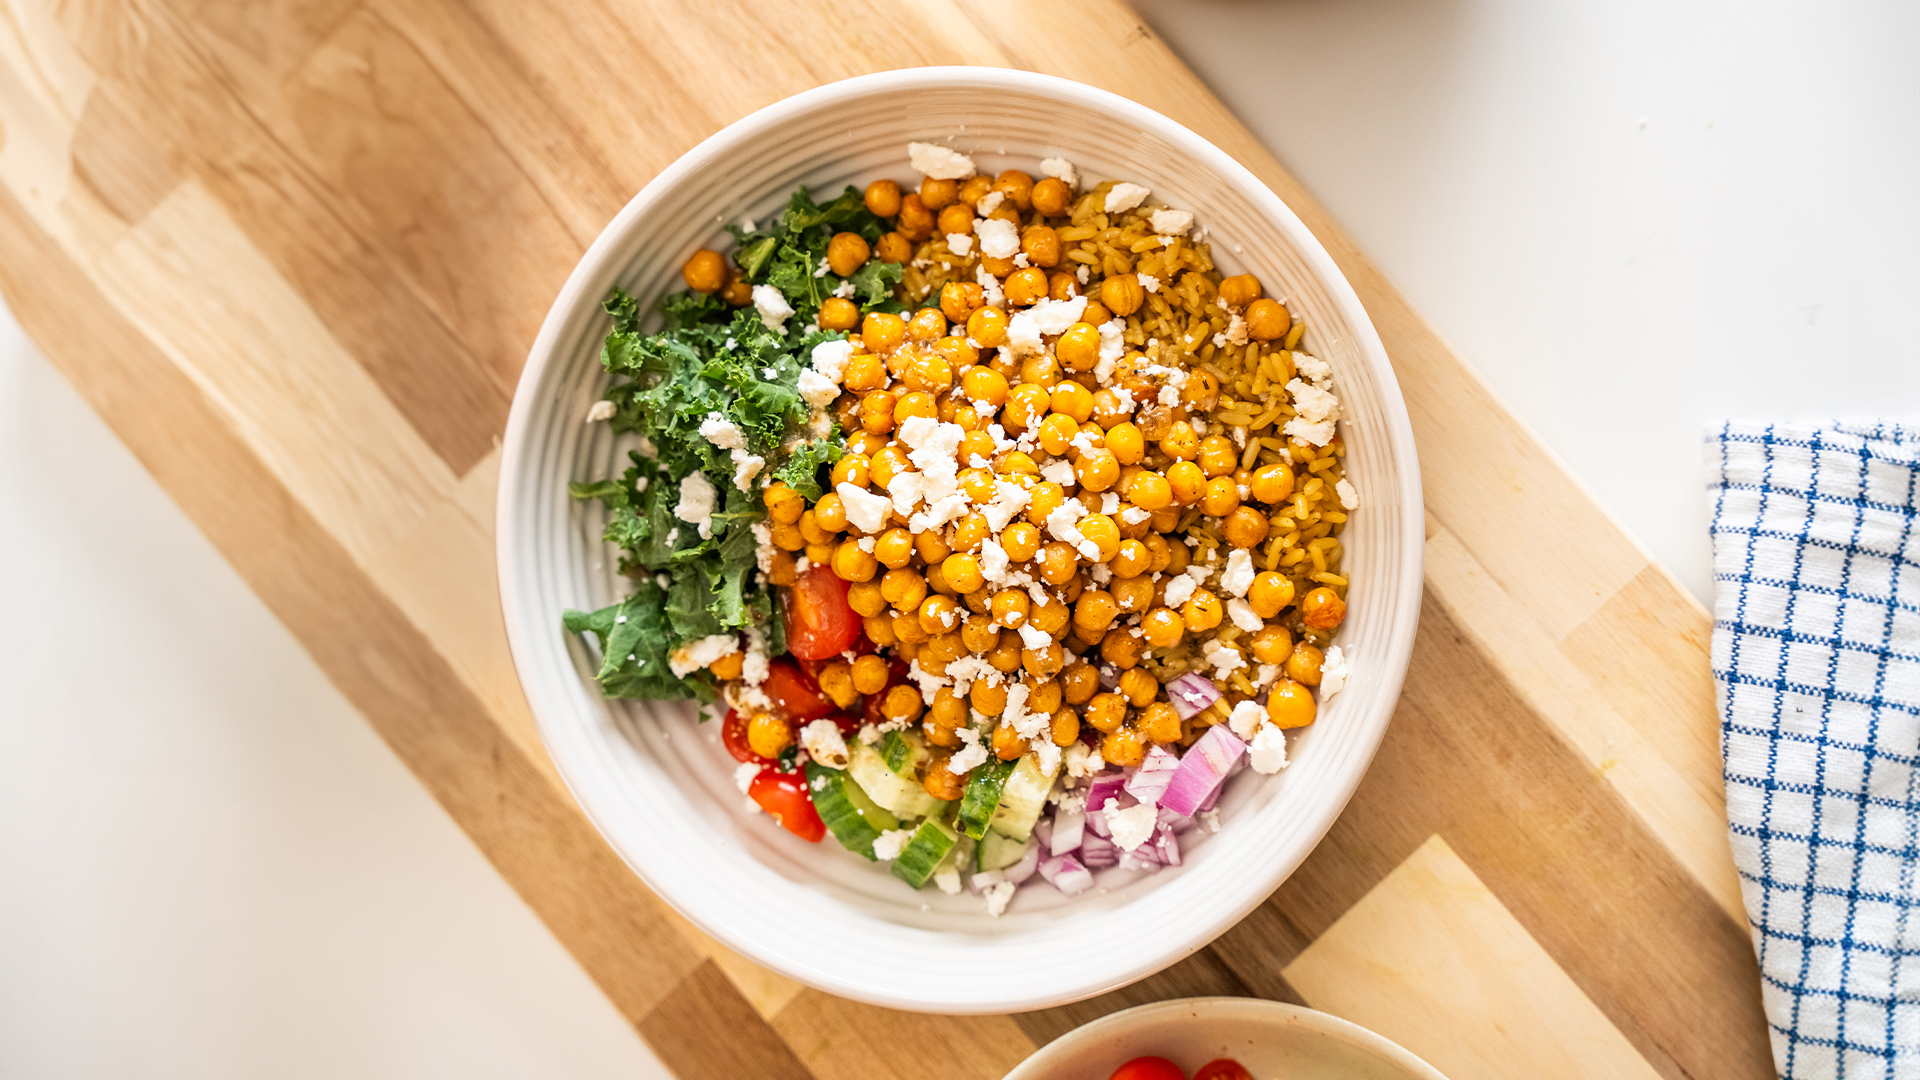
(294, 252)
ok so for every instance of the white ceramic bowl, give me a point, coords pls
(1269, 1038)
(661, 787)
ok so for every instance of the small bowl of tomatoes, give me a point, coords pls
(1222, 1038)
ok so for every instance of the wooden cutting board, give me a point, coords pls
(295, 251)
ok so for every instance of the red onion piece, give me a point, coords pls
(1105, 788)
(1139, 860)
(1166, 846)
(1154, 774)
(1043, 834)
(986, 879)
(1202, 770)
(1097, 851)
(1191, 694)
(1019, 872)
(1065, 873)
(1069, 827)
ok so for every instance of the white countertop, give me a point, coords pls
(1634, 220)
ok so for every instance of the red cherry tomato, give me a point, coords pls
(1149, 1068)
(733, 733)
(1222, 1069)
(794, 693)
(785, 798)
(820, 624)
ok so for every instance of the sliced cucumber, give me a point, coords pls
(983, 796)
(900, 795)
(848, 813)
(1024, 796)
(905, 752)
(930, 847)
(998, 851)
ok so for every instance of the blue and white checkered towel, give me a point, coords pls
(1816, 655)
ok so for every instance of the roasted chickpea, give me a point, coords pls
(987, 698)
(768, 735)
(927, 324)
(738, 291)
(901, 703)
(1072, 400)
(1245, 527)
(962, 572)
(915, 220)
(869, 674)
(1079, 347)
(788, 538)
(846, 253)
(879, 630)
(1041, 245)
(940, 615)
(1178, 556)
(1103, 533)
(882, 331)
(1127, 746)
(1138, 687)
(728, 666)
(850, 563)
(941, 782)
(1097, 470)
(1290, 705)
(1105, 712)
(907, 628)
(984, 384)
(1079, 681)
(1270, 593)
(1239, 290)
(1163, 628)
(937, 194)
(1122, 294)
(1161, 550)
(1271, 483)
(888, 462)
(836, 681)
(1018, 463)
(1202, 611)
(1058, 563)
(1010, 607)
(883, 198)
(1222, 497)
(1122, 648)
(959, 299)
(930, 373)
(955, 218)
(1026, 286)
(1322, 609)
(1044, 663)
(1132, 559)
(1187, 482)
(1064, 728)
(829, 513)
(1051, 196)
(838, 313)
(1050, 616)
(705, 272)
(854, 468)
(971, 531)
(1267, 320)
(1008, 745)
(784, 505)
(876, 411)
(1040, 370)
(1160, 723)
(1304, 663)
(948, 710)
(865, 372)
(1179, 442)
(1217, 456)
(1272, 645)
(1017, 187)
(904, 589)
(893, 247)
(1096, 610)
(811, 529)
(1150, 491)
(979, 633)
(1057, 432)
(1126, 443)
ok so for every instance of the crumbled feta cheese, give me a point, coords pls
(602, 410)
(960, 244)
(1109, 504)
(907, 489)
(1349, 495)
(1008, 501)
(865, 510)
(1317, 409)
(1171, 222)
(997, 897)
(1058, 471)
(998, 239)
(1133, 825)
(939, 162)
(763, 548)
(990, 202)
(1082, 760)
(929, 683)
(773, 307)
(1035, 638)
(1245, 718)
(1244, 616)
(1314, 370)
(972, 754)
(1113, 345)
(824, 743)
(1333, 673)
(1237, 578)
(744, 774)
(947, 880)
(696, 503)
(1023, 334)
(889, 844)
(1123, 196)
(990, 288)
(817, 388)
(1224, 658)
(1060, 169)
(1235, 334)
(1268, 751)
(1179, 591)
(1055, 316)
(722, 432)
(830, 359)
(700, 652)
(1149, 282)
(993, 560)
(1134, 515)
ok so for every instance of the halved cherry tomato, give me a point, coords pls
(820, 623)
(1149, 1068)
(1222, 1069)
(785, 798)
(733, 733)
(796, 695)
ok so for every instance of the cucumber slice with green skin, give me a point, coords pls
(853, 818)
(999, 851)
(901, 796)
(931, 845)
(1024, 796)
(904, 752)
(983, 796)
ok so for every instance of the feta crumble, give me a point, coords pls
(824, 743)
(889, 844)
(865, 510)
(817, 389)
(602, 410)
(700, 652)
(696, 503)
(1171, 222)
(1123, 196)
(960, 244)
(997, 897)
(1237, 578)
(830, 359)
(773, 308)
(1245, 719)
(1349, 495)
(1333, 673)
(998, 239)
(1132, 826)
(939, 162)
(1268, 751)
(1060, 169)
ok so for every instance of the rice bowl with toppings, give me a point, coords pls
(992, 526)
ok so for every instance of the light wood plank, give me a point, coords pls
(1432, 960)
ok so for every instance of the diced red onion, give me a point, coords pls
(1166, 846)
(1043, 834)
(1172, 820)
(1153, 776)
(1105, 788)
(1069, 827)
(1065, 873)
(1019, 872)
(1109, 676)
(1097, 826)
(986, 879)
(1135, 861)
(1204, 768)
(1097, 851)
(1191, 694)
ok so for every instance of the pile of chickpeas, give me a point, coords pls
(923, 596)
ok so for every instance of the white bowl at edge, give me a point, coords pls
(660, 787)
(1274, 1041)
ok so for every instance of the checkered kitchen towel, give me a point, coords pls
(1816, 655)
